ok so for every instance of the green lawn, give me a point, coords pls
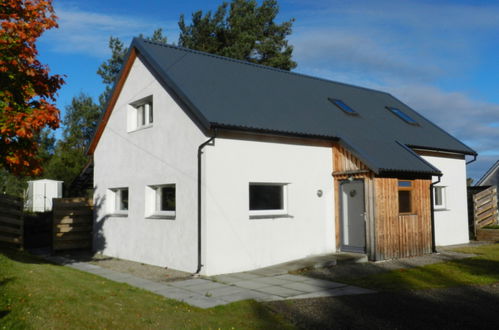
(35, 294)
(482, 269)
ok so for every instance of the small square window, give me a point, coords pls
(439, 197)
(140, 114)
(405, 196)
(161, 201)
(267, 199)
(144, 114)
(119, 201)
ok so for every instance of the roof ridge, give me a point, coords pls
(261, 66)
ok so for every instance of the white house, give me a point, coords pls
(212, 165)
(40, 193)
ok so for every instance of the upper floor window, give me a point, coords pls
(144, 114)
(402, 115)
(140, 114)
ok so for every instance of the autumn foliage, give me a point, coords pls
(27, 90)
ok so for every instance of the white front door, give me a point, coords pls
(353, 229)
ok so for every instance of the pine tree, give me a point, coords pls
(242, 30)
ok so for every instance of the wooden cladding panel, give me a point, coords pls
(401, 235)
(485, 208)
(72, 224)
(345, 161)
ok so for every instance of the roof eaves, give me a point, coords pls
(434, 170)
(470, 151)
(244, 128)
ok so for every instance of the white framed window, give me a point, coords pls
(118, 201)
(161, 201)
(267, 199)
(140, 114)
(439, 199)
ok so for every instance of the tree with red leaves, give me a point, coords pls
(27, 90)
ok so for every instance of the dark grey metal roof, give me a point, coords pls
(222, 92)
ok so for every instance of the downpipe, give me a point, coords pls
(210, 141)
(432, 208)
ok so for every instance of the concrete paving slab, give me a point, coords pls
(304, 287)
(176, 293)
(226, 290)
(82, 266)
(187, 283)
(250, 284)
(246, 276)
(323, 283)
(279, 291)
(270, 280)
(293, 278)
(243, 295)
(226, 279)
(203, 287)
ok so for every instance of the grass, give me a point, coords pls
(479, 270)
(35, 294)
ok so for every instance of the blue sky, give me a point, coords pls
(439, 57)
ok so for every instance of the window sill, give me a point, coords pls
(140, 128)
(169, 216)
(270, 215)
(118, 215)
(441, 209)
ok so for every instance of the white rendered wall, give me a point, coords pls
(233, 241)
(164, 153)
(451, 223)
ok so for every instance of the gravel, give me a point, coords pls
(148, 272)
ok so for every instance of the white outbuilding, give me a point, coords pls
(40, 194)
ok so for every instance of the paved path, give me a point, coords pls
(268, 284)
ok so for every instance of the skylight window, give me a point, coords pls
(343, 106)
(402, 115)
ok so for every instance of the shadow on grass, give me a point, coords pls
(22, 256)
(4, 314)
(456, 304)
(456, 308)
(6, 280)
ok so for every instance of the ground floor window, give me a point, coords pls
(161, 201)
(439, 197)
(118, 201)
(267, 199)
(405, 196)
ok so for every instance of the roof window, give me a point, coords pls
(342, 105)
(402, 115)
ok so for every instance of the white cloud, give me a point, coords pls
(86, 32)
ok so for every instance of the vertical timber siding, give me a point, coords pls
(401, 235)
